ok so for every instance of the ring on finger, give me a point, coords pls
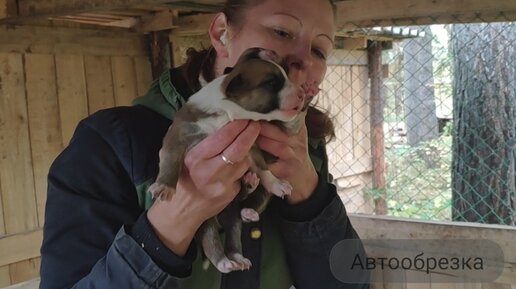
(226, 160)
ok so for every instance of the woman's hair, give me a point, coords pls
(202, 62)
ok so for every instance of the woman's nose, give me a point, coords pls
(300, 58)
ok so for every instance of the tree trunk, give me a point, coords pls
(420, 110)
(484, 143)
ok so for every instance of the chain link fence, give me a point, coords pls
(425, 129)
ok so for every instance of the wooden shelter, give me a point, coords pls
(62, 60)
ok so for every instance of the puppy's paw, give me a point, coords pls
(249, 215)
(225, 265)
(243, 262)
(250, 182)
(160, 191)
(281, 189)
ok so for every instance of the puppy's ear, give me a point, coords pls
(228, 70)
(235, 86)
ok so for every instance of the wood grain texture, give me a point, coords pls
(124, 80)
(413, 12)
(5, 279)
(58, 40)
(99, 82)
(24, 270)
(361, 111)
(72, 94)
(45, 129)
(22, 246)
(143, 74)
(17, 181)
(32, 284)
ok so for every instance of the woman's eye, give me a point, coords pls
(282, 33)
(319, 54)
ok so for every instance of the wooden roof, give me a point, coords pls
(187, 17)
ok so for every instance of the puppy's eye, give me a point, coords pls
(273, 83)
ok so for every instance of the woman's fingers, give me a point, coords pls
(273, 131)
(239, 148)
(277, 148)
(216, 142)
(222, 156)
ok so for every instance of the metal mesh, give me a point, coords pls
(430, 132)
(448, 98)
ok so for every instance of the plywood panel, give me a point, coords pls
(346, 114)
(143, 74)
(22, 246)
(71, 91)
(361, 112)
(496, 285)
(32, 284)
(50, 40)
(19, 204)
(5, 279)
(2, 223)
(124, 80)
(43, 109)
(443, 285)
(24, 270)
(99, 82)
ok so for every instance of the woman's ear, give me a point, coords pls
(218, 34)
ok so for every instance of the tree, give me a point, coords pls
(420, 111)
(484, 144)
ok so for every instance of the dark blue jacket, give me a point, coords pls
(97, 234)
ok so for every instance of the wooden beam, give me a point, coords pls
(20, 247)
(66, 7)
(193, 25)
(31, 284)
(159, 21)
(71, 41)
(354, 13)
(358, 43)
(161, 52)
(8, 8)
(377, 120)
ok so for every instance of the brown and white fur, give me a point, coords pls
(256, 88)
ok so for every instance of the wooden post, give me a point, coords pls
(160, 52)
(377, 119)
(8, 8)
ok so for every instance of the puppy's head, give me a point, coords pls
(258, 83)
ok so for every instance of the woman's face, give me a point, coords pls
(300, 31)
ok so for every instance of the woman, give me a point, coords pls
(98, 233)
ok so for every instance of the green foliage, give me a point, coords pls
(419, 178)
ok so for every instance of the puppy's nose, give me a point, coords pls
(300, 94)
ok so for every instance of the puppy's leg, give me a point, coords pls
(249, 215)
(230, 220)
(250, 182)
(257, 202)
(179, 138)
(272, 184)
(208, 235)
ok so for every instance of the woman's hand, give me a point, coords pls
(293, 164)
(206, 186)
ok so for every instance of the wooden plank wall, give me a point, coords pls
(345, 96)
(392, 228)
(51, 78)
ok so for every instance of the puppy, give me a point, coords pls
(256, 88)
